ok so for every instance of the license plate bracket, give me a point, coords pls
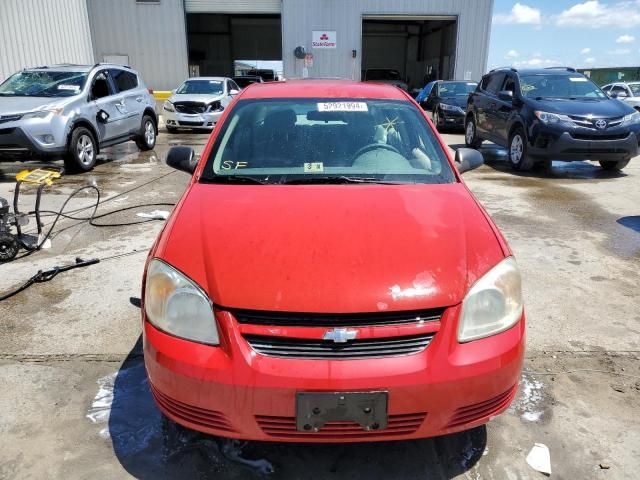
(367, 409)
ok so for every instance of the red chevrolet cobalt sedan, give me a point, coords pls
(328, 277)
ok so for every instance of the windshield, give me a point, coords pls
(383, 74)
(43, 84)
(326, 140)
(450, 89)
(201, 87)
(559, 86)
(635, 89)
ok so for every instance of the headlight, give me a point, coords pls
(631, 119)
(451, 108)
(176, 305)
(547, 118)
(168, 106)
(43, 113)
(493, 304)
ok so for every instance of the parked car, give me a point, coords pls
(328, 277)
(246, 80)
(628, 92)
(545, 114)
(446, 100)
(385, 75)
(267, 74)
(73, 111)
(198, 103)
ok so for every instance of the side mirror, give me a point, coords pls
(505, 95)
(182, 158)
(467, 159)
(234, 92)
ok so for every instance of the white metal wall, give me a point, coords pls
(301, 17)
(151, 35)
(43, 32)
(232, 6)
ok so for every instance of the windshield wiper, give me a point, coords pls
(336, 179)
(233, 179)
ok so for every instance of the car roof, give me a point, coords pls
(538, 71)
(72, 67)
(323, 89)
(219, 79)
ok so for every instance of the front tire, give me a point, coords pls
(517, 151)
(81, 151)
(147, 139)
(471, 139)
(615, 165)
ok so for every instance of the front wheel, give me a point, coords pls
(615, 165)
(81, 151)
(471, 135)
(517, 151)
(147, 138)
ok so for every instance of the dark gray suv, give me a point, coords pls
(545, 114)
(73, 111)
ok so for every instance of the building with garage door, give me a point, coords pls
(166, 40)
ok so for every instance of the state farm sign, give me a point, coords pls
(324, 39)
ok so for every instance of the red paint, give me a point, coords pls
(331, 249)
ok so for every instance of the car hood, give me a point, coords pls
(28, 104)
(330, 248)
(605, 107)
(183, 97)
(457, 100)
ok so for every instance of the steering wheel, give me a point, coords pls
(373, 146)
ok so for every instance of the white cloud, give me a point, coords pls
(625, 39)
(522, 14)
(593, 14)
(512, 54)
(590, 61)
(536, 63)
(620, 51)
(585, 51)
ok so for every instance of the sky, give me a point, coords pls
(542, 33)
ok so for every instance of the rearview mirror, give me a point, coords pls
(234, 92)
(467, 159)
(505, 95)
(182, 158)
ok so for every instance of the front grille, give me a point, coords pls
(287, 347)
(189, 413)
(477, 411)
(589, 122)
(592, 151)
(595, 138)
(287, 319)
(285, 427)
(9, 118)
(190, 124)
(190, 107)
(6, 131)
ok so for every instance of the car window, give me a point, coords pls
(37, 83)
(233, 86)
(509, 84)
(559, 86)
(201, 87)
(635, 89)
(453, 89)
(275, 139)
(606, 88)
(100, 87)
(494, 83)
(124, 80)
(619, 89)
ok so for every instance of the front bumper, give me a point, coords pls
(452, 118)
(583, 144)
(205, 120)
(16, 142)
(233, 391)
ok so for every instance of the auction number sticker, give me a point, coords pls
(313, 167)
(342, 107)
(69, 87)
(577, 79)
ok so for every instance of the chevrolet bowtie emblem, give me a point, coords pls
(340, 335)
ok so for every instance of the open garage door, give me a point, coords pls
(217, 41)
(416, 49)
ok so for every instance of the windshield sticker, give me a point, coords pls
(313, 167)
(577, 79)
(74, 88)
(231, 165)
(342, 107)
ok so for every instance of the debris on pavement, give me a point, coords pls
(232, 449)
(539, 458)
(155, 215)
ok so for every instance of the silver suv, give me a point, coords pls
(74, 110)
